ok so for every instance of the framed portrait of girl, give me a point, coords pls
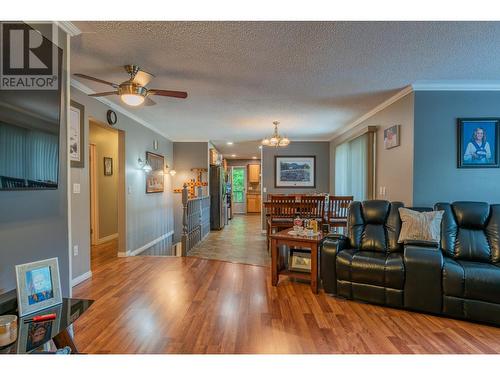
(478, 142)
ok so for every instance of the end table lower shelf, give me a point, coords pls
(283, 238)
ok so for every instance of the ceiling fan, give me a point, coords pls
(133, 91)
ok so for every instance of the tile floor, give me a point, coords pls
(241, 241)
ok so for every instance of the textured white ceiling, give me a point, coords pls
(241, 150)
(314, 77)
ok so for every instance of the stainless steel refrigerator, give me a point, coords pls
(217, 197)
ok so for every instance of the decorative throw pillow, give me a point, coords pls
(420, 226)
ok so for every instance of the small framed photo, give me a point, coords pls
(38, 286)
(391, 137)
(108, 166)
(478, 142)
(299, 260)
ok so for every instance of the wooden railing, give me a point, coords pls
(195, 219)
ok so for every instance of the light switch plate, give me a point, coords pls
(75, 250)
(76, 188)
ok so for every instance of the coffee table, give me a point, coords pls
(283, 238)
(66, 313)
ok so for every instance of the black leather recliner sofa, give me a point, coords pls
(460, 277)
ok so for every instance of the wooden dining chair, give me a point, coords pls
(314, 207)
(338, 208)
(281, 216)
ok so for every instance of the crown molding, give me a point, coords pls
(456, 86)
(69, 28)
(374, 111)
(87, 90)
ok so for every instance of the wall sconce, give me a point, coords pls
(172, 172)
(144, 165)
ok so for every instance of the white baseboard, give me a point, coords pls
(107, 238)
(80, 279)
(146, 246)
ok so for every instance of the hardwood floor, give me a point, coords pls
(103, 253)
(194, 305)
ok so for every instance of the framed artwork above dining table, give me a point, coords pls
(295, 172)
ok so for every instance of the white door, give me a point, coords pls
(238, 190)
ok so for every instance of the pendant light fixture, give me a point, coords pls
(276, 140)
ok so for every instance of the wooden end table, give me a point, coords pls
(283, 238)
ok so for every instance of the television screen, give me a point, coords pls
(29, 137)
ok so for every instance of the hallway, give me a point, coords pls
(241, 241)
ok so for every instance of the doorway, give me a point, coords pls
(238, 183)
(107, 192)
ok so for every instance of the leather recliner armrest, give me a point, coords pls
(332, 244)
(422, 243)
(423, 278)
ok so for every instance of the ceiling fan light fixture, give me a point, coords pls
(132, 99)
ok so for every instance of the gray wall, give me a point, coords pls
(187, 155)
(320, 149)
(436, 176)
(393, 167)
(149, 216)
(34, 224)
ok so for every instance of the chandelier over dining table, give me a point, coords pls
(276, 140)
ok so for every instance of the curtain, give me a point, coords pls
(351, 168)
(28, 154)
(341, 168)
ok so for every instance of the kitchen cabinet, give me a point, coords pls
(253, 203)
(253, 173)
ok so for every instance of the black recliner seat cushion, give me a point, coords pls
(471, 280)
(370, 267)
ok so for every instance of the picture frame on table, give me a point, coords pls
(295, 172)
(76, 146)
(478, 142)
(299, 260)
(38, 286)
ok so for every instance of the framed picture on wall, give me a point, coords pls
(108, 166)
(478, 142)
(295, 172)
(76, 135)
(155, 178)
(391, 137)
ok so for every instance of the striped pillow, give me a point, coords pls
(420, 226)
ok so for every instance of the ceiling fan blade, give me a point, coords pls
(96, 80)
(142, 78)
(173, 94)
(149, 102)
(107, 93)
